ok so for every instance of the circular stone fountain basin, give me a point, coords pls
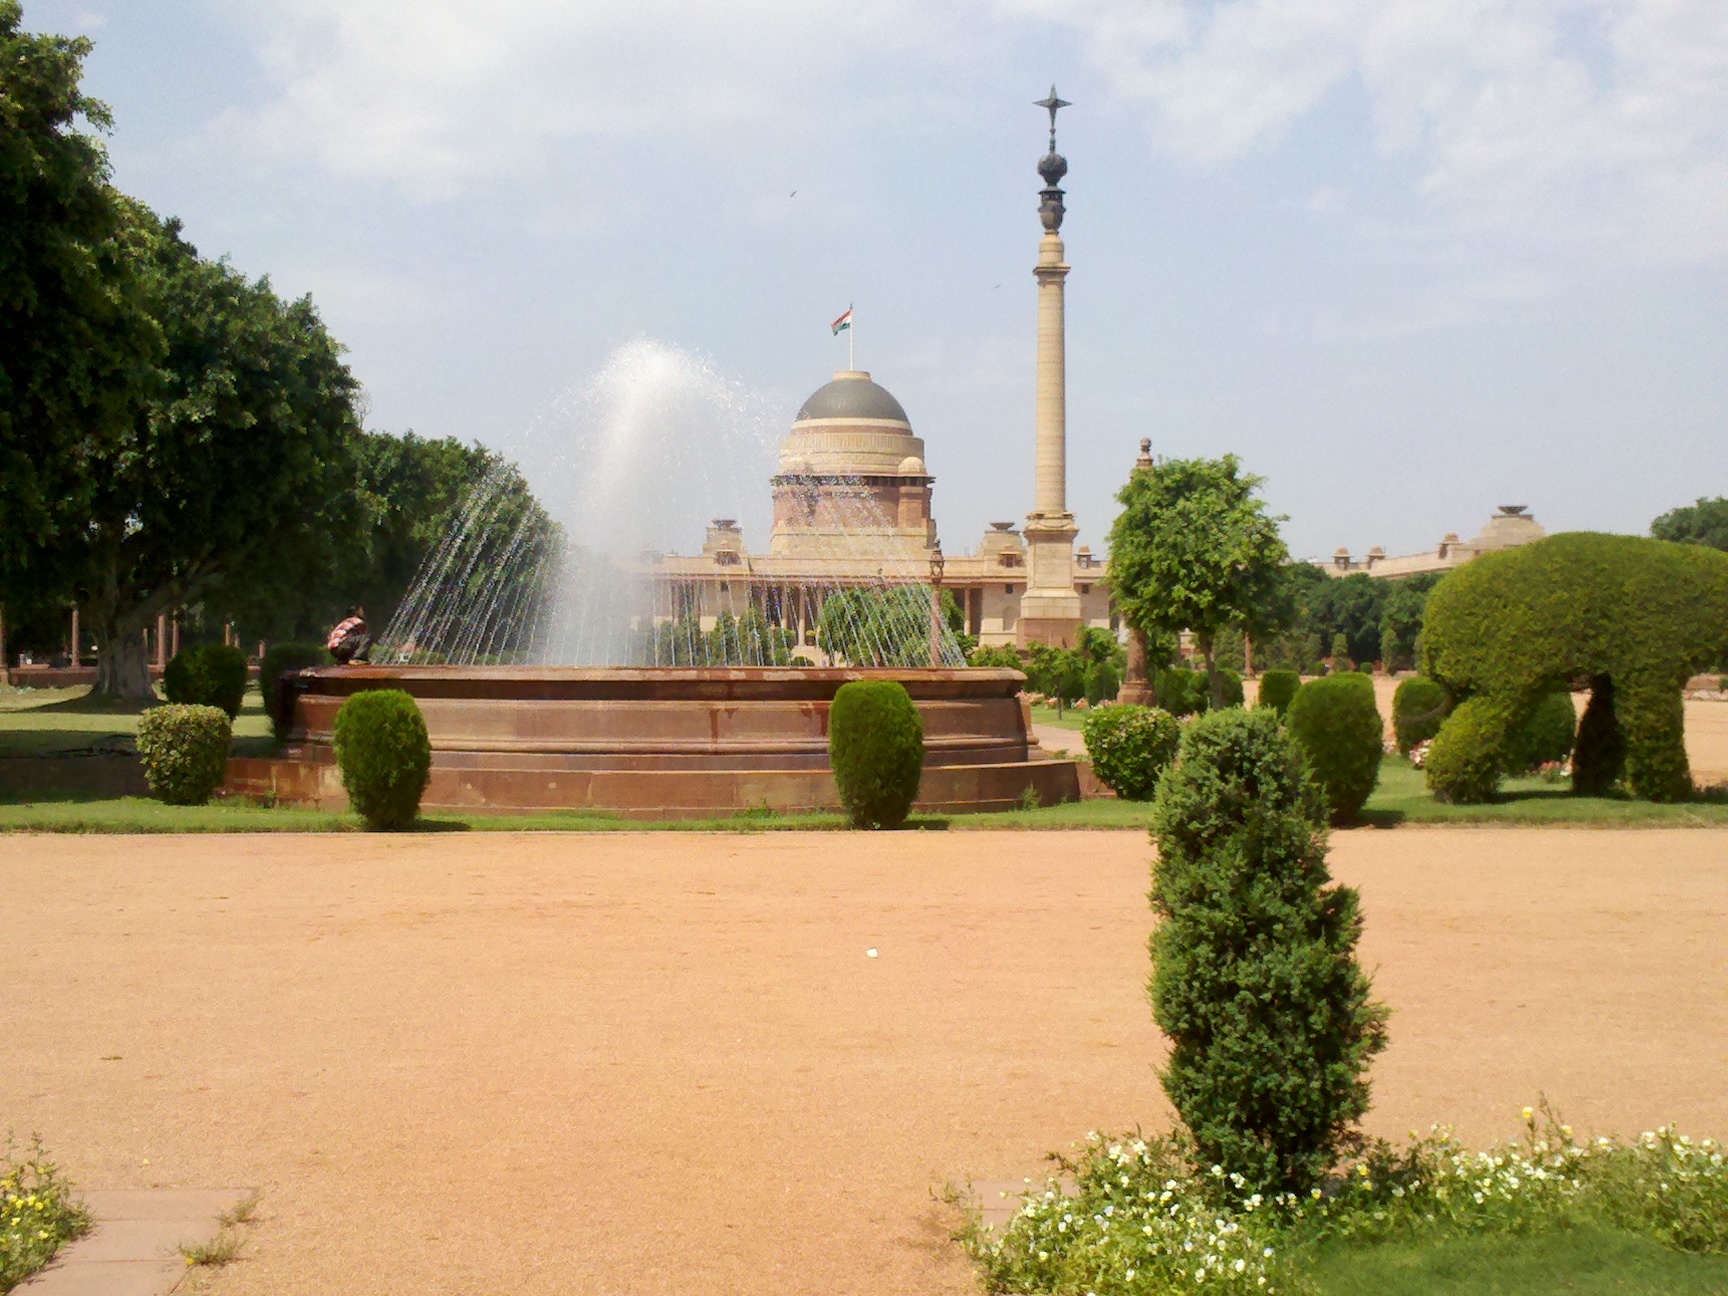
(663, 741)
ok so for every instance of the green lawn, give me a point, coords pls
(63, 722)
(1402, 797)
(1576, 1261)
(1069, 719)
(45, 722)
(143, 815)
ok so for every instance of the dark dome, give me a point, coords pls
(851, 395)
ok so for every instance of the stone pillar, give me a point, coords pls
(1136, 679)
(161, 640)
(1050, 608)
(73, 655)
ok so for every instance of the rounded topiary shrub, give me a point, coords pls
(385, 755)
(1467, 756)
(1130, 746)
(876, 749)
(1546, 737)
(207, 675)
(184, 751)
(1419, 707)
(1337, 724)
(1255, 979)
(281, 659)
(1277, 687)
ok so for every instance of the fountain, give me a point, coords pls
(558, 663)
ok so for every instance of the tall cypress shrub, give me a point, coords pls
(1255, 977)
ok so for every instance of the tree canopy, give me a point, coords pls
(75, 343)
(1705, 523)
(228, 484)
(1195, 549)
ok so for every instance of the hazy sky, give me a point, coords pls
(1410, 259)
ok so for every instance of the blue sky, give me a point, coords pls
(1410, 259)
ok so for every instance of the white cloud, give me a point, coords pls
(1569, 129)
(431, 94)
(1580, 126)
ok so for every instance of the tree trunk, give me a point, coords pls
(123, 665)
(1136, 680)
(1214, 677)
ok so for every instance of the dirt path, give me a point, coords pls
(552, 1064)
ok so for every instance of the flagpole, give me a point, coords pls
(851, 330)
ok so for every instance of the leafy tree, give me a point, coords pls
(224, 487)
(1006, 658)
(76, 344)
(1194, 549)
(1401, 618)
(1350, 606)
(1705, 523)
(881, 626)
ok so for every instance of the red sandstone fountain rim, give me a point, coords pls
(661, 683)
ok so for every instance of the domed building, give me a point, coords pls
(852, 481)
(852, 497)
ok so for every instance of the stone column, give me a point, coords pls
(1050, 608)
(161, 640)
(73, 655)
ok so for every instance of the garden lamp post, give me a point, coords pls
(936, 565)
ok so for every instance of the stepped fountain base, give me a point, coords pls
(657, 742)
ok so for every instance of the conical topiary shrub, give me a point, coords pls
(1255, 977)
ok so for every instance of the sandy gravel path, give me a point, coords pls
(643, 1064)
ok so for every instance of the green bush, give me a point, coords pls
(1255, 978)
(207, 675)
(1180, 691)
(1546, 737)
(876, 749)
(1419, 707)
(1639, 615)
(385, 755)
(1130, 746)
(1277, 688)
(1467, 756)
(1337, 724)
(1000, 658)
(282, 658)
(1102, 683)
(184, 751)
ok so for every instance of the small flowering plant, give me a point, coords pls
(1554, 771)
(1134, 1216)
(37, 1213)
(1419, 752)
(1136, 1219)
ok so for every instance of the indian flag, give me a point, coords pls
(843, 323)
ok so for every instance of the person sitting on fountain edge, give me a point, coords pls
(349, 642)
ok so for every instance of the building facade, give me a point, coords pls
(852, 498)
(1510, 526)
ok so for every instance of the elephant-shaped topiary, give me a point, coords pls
(1634, 617)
